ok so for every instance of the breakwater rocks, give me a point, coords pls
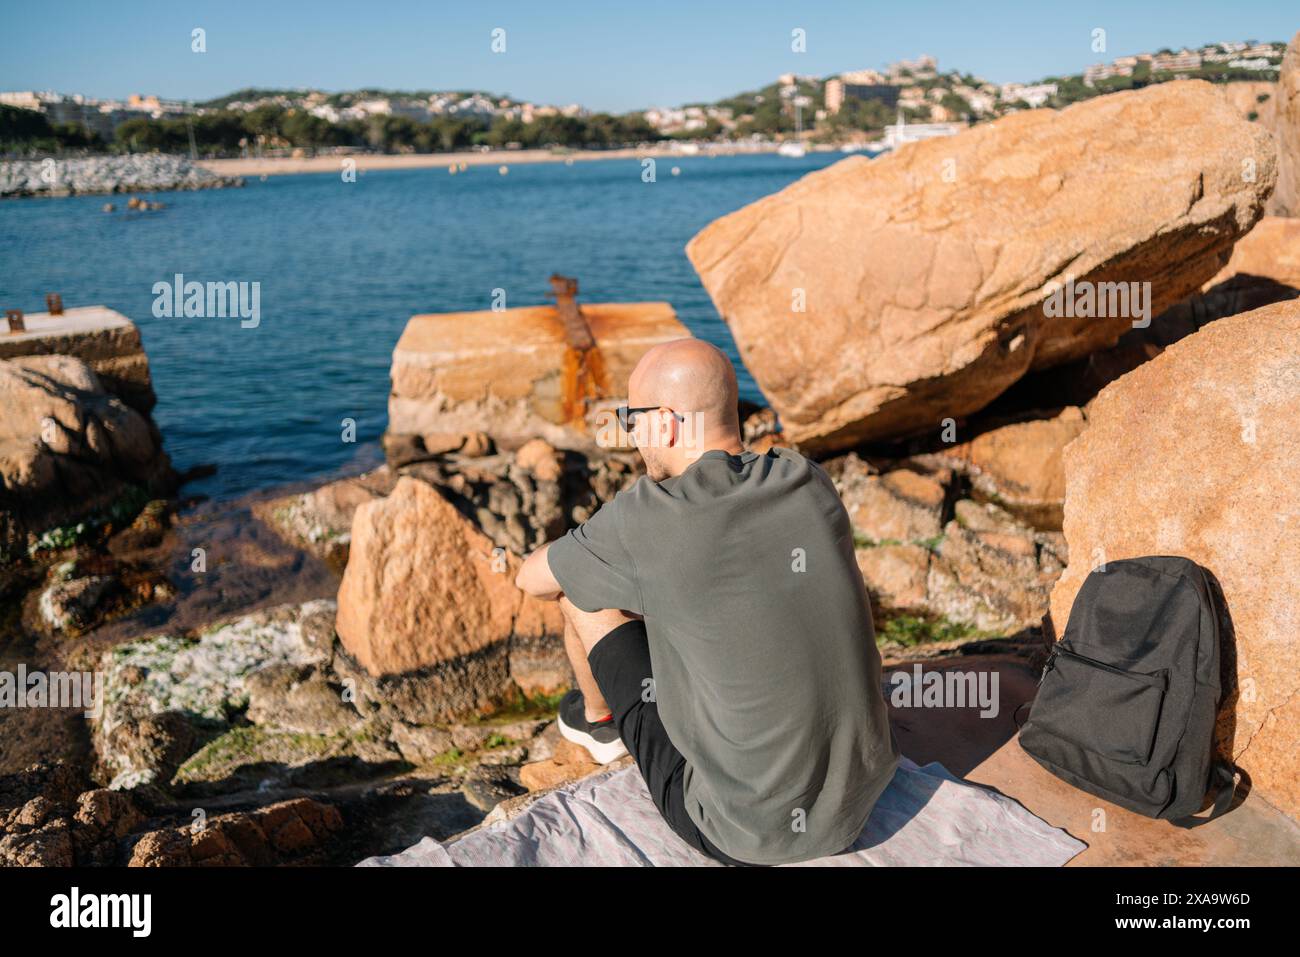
(142, 172)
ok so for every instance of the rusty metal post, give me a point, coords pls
(576, 331)
(54, 303)
(15, 317)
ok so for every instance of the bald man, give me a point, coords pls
(720, 630)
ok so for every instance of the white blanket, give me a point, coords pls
(926, 817)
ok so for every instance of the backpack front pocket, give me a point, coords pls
(1099, 707)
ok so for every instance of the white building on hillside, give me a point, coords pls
(1034, 95)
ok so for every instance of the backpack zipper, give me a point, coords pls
(1048, 664)
(1154, 679)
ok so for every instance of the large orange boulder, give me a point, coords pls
(1195, 454)
(879, 297)
(69, 449)
(1286, 127)
(425, 591)
(1254, 99)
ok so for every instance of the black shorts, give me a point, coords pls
(620, 663)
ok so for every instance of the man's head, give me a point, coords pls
(689, 389)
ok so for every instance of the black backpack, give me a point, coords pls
(1127, 703)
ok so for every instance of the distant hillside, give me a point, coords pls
(246, 95)
(301, 95)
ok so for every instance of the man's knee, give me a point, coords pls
(591, 626)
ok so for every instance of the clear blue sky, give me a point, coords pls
(612, 55)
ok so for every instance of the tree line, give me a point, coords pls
(232, 132)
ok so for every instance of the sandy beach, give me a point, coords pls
(281, 165)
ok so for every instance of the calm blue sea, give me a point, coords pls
(343, 265)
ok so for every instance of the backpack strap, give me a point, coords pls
(1015, 715)
(1047, 666)
(1227, 782)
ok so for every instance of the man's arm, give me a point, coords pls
(588, 565)
(535, 576)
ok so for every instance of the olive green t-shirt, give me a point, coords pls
(766, 672)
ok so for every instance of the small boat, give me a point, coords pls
(795, 148)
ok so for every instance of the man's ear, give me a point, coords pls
(670, 435)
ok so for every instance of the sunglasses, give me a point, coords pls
(626, 416)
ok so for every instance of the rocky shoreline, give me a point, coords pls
(139, 172)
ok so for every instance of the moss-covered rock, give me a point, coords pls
(200, 679)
